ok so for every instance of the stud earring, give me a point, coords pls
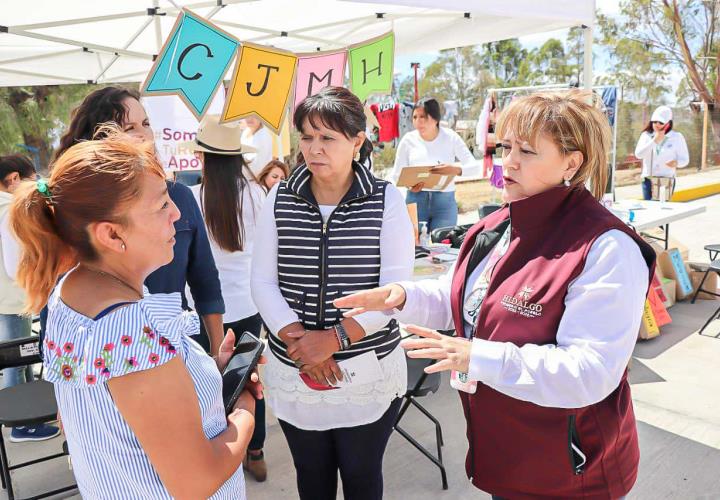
(123, 247)
(566, 182)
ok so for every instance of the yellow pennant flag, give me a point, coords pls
(261, 85)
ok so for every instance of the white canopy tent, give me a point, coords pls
(45, 42)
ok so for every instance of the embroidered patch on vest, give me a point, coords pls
(520, 303)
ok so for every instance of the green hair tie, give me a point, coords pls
(43, 188)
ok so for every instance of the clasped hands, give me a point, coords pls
(312, 351)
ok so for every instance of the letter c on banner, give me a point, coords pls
(185, 53)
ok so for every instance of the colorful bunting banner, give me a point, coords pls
(261, 84)
(318, 70)
(371, 66)
(192, 63)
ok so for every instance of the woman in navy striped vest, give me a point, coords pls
(329, 230)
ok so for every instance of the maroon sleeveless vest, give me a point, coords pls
(519, 450)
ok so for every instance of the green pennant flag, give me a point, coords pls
(371, 66)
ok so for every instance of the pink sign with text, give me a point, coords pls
(317, 71)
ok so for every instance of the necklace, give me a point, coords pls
(119, 280)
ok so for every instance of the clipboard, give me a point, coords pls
(409, 176)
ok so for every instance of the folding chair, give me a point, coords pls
(421, 384)
(27, 404)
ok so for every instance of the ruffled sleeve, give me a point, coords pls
(138, 337)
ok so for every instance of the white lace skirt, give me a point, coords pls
(294, 402)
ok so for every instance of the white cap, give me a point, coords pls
(662, 114)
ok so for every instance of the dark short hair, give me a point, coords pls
(16, 163)
(431, 108)
(337, 109)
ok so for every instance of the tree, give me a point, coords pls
(32, 117)
(635, 67)
(507, 62)
(549, 64)
(455, 75)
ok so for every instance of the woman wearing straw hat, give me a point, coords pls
(230, 200)
(662, 150)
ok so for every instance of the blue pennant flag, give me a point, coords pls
(192, 63)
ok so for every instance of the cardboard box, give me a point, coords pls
(711, 284)
(673, 266)
(668, 288)
(659, 247)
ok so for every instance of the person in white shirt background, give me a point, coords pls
(661, 149)
(432, 145)
(14, 325)
(257, 136)
(230, 200)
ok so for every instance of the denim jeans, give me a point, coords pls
(436, 208)
(13, 327)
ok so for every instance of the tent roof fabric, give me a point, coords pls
(77, 41)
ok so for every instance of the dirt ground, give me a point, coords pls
(472, 194)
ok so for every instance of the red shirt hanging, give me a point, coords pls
(388, 116)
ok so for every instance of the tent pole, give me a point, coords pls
(703, 162)
(588, 57)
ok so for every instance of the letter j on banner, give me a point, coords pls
(261, 85)
(371, 66)
(192, 62)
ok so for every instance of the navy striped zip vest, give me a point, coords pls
(321, 261)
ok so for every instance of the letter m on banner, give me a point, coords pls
(318, 70)
(192, 63)
(371, 66)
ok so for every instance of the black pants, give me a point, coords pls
(252, 324)
(356, 451)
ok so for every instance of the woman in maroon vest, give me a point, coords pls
(546, 298)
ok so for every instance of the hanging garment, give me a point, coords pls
(387, 115)
(405, 121)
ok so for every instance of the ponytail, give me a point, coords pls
(366, 153)
(44, 254)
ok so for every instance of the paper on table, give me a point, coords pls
(362, 369)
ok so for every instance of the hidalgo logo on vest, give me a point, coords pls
(520, 303)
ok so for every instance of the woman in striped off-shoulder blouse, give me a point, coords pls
(141, 402)
(330, 229)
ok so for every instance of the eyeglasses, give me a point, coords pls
(474, 301)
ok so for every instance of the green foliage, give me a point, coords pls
(35, 116)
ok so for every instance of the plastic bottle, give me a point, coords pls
(424, 236)
(663, 194)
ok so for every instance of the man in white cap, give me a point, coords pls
(662, 151)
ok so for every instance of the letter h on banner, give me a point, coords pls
(371, 66)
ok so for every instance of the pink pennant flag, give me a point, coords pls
(318, 70)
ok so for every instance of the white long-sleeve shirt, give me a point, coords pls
(290, 399)
(595, 338)
(447, 148)
(234, 267)
(655, 156)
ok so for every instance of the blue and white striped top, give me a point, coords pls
(81, 354)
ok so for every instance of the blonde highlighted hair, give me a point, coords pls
(573, 121)
(92, 181)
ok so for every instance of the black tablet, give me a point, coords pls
(237, 373)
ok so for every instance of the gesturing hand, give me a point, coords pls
(452, 353)
(384, 298)
(446, 170)
(417, 187)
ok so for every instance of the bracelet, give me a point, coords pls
(342, 336)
